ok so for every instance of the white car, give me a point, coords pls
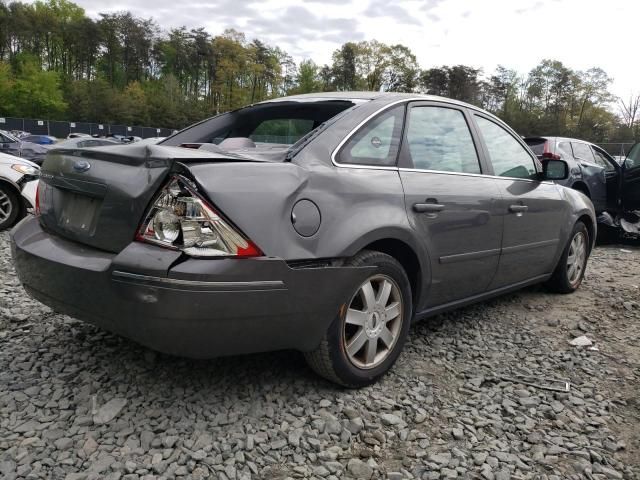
(18, 185)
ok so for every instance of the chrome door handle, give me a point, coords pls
(427, 207)
(518, 208)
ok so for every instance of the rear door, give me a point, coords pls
(449, 201)
(532, 210)
(631, 180)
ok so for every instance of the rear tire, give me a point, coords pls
(569, 272)
(363, 343)
(10, 207)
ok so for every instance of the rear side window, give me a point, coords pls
(508, 157)
(439, 139)
(564, 150)
(582, 151)
(377, 142)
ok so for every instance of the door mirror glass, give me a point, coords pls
(555, 169)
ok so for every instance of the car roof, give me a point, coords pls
(359, 97)
(558, 139)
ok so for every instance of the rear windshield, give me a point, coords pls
(268, 124)
(536, 145)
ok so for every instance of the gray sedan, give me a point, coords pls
(325, 223)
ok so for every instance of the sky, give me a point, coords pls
(517, 34)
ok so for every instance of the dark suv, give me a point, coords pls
(589, 165)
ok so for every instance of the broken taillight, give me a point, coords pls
(547, 155)
(37, 206)
(180, 219)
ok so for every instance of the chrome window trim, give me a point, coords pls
(406, 169)
(127, 277)
(358, 127)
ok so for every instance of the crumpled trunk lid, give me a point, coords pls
(98, 196)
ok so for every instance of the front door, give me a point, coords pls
(533, 210)
(631, 180)
(449, 202)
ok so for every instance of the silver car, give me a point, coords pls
(325, 223)
(18, 184)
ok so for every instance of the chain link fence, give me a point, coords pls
(63, 129)
(617, 149)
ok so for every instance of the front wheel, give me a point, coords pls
(9, 207)
(569, 272)
(365, 340)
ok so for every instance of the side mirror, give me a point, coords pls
(555, 170)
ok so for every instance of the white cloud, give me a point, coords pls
(516, 34)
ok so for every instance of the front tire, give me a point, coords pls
(9, 207)
(364, 342)
(569, 272)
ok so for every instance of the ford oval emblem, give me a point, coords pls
(81, 166)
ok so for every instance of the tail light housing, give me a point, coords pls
(547, 155)
(180, 219)
(37, 205)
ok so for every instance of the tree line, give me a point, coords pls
(59, 64)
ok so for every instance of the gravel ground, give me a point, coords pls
(80, 403)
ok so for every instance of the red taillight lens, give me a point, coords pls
(181, 219)
(37, 207)
(547, 155)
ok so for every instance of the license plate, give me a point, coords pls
(78, 212)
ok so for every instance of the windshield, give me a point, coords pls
(266, 125)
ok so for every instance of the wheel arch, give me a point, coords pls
(22, 202)
(591, 229)
(582, 187)
(407, 256)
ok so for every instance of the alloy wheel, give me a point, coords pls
(576, 258)
(6, 207)
(373, 322)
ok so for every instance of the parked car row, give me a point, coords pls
(35, 147)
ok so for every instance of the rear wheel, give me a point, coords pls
(569, 272)
(9, 207)
(364, 341)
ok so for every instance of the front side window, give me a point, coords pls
(377, 142)
(508, 157)
(601, 159)
(633, 159)
(438, 138)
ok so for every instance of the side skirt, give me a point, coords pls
(430, 312)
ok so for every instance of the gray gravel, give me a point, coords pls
(80, 403)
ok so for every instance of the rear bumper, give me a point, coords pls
(189, 307)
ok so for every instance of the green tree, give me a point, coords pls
(36, 93)
(307, 79)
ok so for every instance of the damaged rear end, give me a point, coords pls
(176, 249)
